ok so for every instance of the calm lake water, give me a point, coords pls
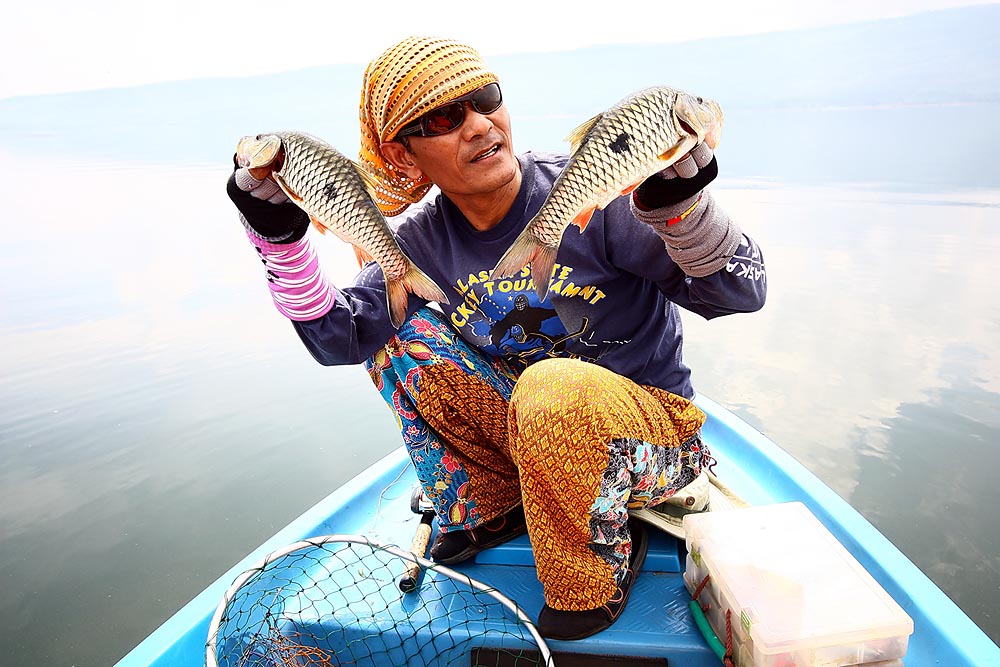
(159, 419)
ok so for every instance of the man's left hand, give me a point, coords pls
(680, 181)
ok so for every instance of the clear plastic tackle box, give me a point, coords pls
(785, 593)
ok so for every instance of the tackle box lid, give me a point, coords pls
(790, 583)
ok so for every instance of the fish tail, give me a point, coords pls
(419, 283)
(518, 255)
(414, 281)
(541, 270)
(397, 298)
(527, 249)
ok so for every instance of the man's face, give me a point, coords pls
(477, 158)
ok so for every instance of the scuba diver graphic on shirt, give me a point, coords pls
(514, 324)
(523, 331)
(506, 318)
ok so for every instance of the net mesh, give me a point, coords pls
(331, 602)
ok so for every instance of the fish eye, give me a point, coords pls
(700, 100)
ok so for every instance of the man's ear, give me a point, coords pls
(402, 159)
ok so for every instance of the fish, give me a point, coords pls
(336, 194)
(611, 154)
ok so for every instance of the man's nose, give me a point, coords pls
(475, 124)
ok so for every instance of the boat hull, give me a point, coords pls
(656, 624)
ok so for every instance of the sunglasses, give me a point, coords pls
(450, 116)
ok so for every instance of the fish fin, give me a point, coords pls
(542, 266)
(628, 189)
(287, 189)
(579, 133)
(362, 255)
(317, 224)
(671, 154)
(582, 218)
(371, 185)
(397, 298)
(419, 283)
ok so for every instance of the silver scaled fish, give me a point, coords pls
(611, 155)
(334, 191)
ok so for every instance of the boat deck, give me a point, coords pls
(656, 625)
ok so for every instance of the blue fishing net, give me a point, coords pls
(328, 602)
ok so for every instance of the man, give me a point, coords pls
(553, 416)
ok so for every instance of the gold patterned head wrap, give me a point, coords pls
(408, 80)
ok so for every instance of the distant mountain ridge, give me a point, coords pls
(949, 57)
(935, 57)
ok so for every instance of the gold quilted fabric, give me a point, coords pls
(549, 448)
(408, 80)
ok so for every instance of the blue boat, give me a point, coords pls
(657, 626)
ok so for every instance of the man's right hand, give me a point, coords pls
(264, 207)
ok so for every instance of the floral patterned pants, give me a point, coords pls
(575, 443)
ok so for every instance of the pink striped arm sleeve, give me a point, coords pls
(300, 290)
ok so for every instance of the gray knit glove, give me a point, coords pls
(699, 236)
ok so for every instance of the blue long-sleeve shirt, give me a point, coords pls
(613, 299)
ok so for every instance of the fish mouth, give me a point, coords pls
(487, 153)
(698, 117)
(685, 127)
(686, 118)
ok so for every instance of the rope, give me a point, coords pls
(727, 655)
(701, 587)
(727, 659)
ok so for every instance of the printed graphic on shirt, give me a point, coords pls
(747, 262)
(506, 318)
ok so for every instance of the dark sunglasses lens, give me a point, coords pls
(444, 119)
(487, 99)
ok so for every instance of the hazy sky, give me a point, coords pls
(57, 45)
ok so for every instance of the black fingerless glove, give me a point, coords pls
(671, 186)
(277, 223)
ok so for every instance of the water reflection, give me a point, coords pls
(869, 294)
(143, 368)
(932, 489)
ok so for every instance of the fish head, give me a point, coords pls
(698, 117)
(258, 151)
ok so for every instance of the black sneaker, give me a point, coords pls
(558, 624)
(459, 545)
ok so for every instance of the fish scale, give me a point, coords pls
(335, 193)
(612, 154)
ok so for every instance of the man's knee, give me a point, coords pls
(553, 389)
